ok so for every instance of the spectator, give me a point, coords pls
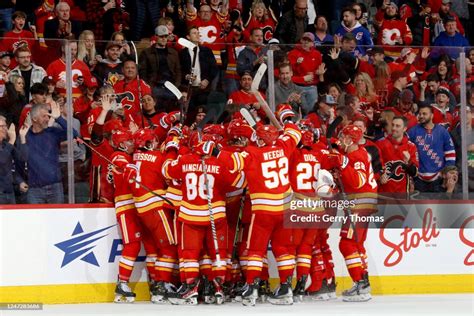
(18, 37)
(159, 64)
(400, 81)
(406, 107)
(288, 92)
(361, 14)
(131, 89)
(428, 97)
(435, 150)
(444, 69)
(334, 90)
(43, 142)
(324, 112)
(13, 99)
(381, 82)
(5, 61)
(8, 154)
(262, 18)
(441, 114)
(204, 71)
(235, 44)
(293, 24)
(349, 24)
(450, 177)
(417, 15)
(322, 37)
(57, 70)
(86, 51)
(400, 159)
(61, 27)
(393, 32)
(84, 104)
(125, 50)
(109, 69)
(442, 15)
(243, 96)
(373, 150)
(365, 88)
(96, 10)
(308, 69)
(252, 56)
(451, 39)
(30, 72)
(38, 96)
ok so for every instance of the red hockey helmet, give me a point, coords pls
(143, 136)
(284, 111)
(121, 136)
(239, 128)
(215, 129)
(112, 125)
(353, 132)
(204, 148)
(267, 133)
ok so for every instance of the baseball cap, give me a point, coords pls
(274, 41)
(161, 30)
(449, 18)
(375, 50)
(397, 75)
(443, 90)
(48, 80)
(328, 99)
(90, 82)
(308, 35)
(6, 53)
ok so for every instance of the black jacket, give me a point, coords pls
(207, 62)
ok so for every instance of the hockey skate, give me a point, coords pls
(283, 295)
(299, 292)
(161, 291)
(123, 293)
(237, 292)
(207, 291)
(250, 293)
(323, 293)
(219, 296)
(186, 295)
(332, 289)
(359, 292)
(264, 291)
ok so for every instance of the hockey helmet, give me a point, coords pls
(267, 133)
(353, 132)
(143, 137)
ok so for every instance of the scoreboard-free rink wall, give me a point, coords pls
(69, 254)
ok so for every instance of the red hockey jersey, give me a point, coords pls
(123, 197)
(131, 100)
(394, 159)
(57, 70)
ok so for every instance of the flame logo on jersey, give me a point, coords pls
(395, 171)
(208, 34)
(389, 36)
(127, 99)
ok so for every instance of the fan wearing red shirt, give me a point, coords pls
(18, 36)
(57, 70)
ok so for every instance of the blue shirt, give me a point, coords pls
(449, 44)
(362, 35)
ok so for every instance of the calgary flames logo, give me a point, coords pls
(395, 170)
(410, 240)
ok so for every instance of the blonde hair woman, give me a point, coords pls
(365, 88)
(260, 17)
(86, 51)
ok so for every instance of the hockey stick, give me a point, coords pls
(237, 229)
(206, 183)
(172, 88)
(329, 133)
(139, 85)
(248, 117)
(263, 104)
(191, 47)
(81, 141)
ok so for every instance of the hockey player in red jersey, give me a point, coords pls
(127, 217)
(400, 158)
(270, 192)
(205, 182)
(357, 180)
(149, 204)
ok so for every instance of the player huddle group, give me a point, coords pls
(207, 203)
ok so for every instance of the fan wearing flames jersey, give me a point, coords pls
(131, 84)
(57, 70)
(357, 179)
(262, 18)
(400, 158)
(127, 217)
(148, 160)
(270, 192)
(205, 182)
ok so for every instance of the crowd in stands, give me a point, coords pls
(367, 61)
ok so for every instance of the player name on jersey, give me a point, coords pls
(144, 157)
(198, 167)
(273, 154)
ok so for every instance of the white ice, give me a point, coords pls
(446, 304)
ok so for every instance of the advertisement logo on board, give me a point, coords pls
(81, 244)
